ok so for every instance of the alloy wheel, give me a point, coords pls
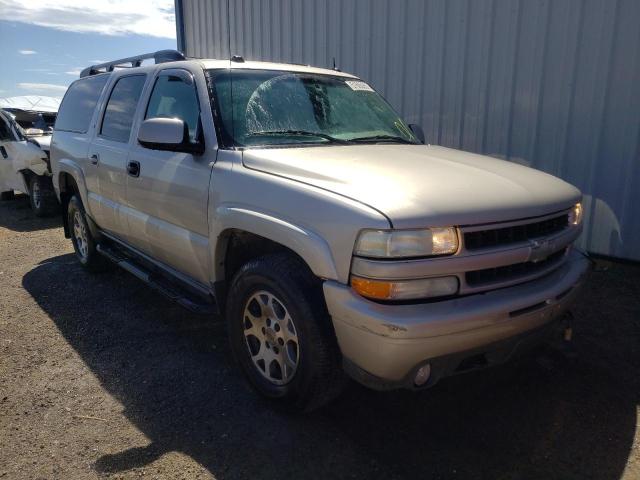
(80, 234)
(271, 337)
(36, 194)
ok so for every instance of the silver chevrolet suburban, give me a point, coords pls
(297, 203)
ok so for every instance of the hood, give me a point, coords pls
(421, 185)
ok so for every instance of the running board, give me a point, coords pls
(163, 283)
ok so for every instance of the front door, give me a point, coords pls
(168, 198)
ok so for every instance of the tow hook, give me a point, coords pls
(563, 343)
(559, 349)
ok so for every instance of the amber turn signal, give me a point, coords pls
(405, 289)
(377, 289)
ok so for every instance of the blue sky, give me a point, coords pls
(45, 43)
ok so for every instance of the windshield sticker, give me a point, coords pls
(358, 86)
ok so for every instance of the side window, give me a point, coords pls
(173, 97)
(5, 130)
(79, 103)
(121, 107)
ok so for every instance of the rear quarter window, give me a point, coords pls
(79, 103)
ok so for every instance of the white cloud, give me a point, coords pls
(26, 52)
(42, 87)
(75, 72)
(108, 17)
(95, 62)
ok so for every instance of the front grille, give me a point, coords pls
(518, 233)
(511, 272)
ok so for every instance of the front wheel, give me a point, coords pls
(42, 196)
(281, 334)
(83, 242)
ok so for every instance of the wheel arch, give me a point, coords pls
(246, 234)
(69, 170)
(26, 175)
(306, 244)
(67, 188)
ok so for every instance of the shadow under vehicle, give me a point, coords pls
(564, 419)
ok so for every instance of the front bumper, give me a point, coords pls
(388, 342)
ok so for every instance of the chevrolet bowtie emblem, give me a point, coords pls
(540, 250)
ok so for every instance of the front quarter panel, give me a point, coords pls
(319, 226)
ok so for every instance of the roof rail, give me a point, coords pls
(160, 56)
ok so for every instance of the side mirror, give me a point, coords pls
(417, 131)
(169, 134)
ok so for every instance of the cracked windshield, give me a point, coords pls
(265, 108)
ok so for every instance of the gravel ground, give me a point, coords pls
(101, 377)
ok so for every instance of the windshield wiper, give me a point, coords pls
(389, 138)
(302, 133)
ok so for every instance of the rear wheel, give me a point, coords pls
(281, 333)
(4, 196)
(42, 196)
(83, 242)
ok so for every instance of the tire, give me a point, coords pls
(5, 196)
(42, 196)
(83, 242)
(258, 291)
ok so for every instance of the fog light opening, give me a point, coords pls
(422, 375)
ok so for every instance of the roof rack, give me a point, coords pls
(160, 56)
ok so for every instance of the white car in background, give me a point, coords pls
(34, 125)
(24, 165)
(35, 115)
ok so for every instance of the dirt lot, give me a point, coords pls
(101, 377)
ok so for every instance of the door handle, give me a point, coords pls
(95, 158)
(133, 168)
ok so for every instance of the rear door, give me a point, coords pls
(169, 196)
(109, 152)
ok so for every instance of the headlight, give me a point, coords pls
(405, 289)
(575, 214)
(407, 243)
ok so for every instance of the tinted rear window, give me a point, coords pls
(121, 107)
(79, 103)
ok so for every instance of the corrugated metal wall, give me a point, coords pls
(554, 84)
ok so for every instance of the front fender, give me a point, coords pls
(308, 245)
(28, 158)
(39, 169)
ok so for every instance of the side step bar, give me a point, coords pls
(168, 286)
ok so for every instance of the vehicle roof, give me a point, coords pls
(254, 65)
(226, 64)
